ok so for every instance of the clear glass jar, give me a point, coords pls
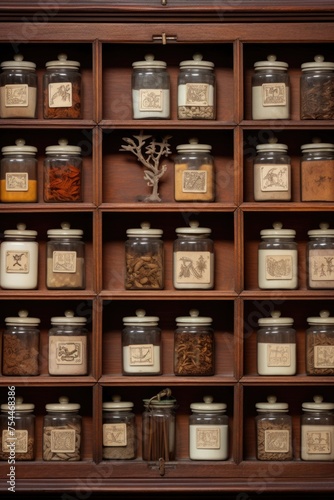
(62, 431)
(276, 346)
(144, 258)
(317, 171)
(193, 258)
(320, 255)
(20, 345)
(119, 431)
(150, 89)
(194, 178)
(270, 90)
(196, 95)
(141, 345)
(208, 431)
(18, 173)
(68, 345)
(17, 442)
(273, 430)
(65, 255)
(317, 430)
(62, 88)
(316, 90)
(19, 259)
(194, 345)
(158, 427)
(18, 88)
(320, 344)
(278, 259)
(62, 173)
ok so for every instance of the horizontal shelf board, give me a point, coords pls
(296, 380)
(52, 124)
(158, 380)
(47, 294)
(286, 124)
(48, 381)
(286, 294)
(319, 206)
(167, 124)
(167, 207)
(168, 294)
(47, 207)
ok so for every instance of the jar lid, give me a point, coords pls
(275, 319)
(68, 319)
(18, 63)
(22, 319)
(197, 62)
(193, 229)
(62, 62)
(62, 147)
(19, 406)
(144, 230)
(272, 145)
(117, 404)
(193, 319)
(65, 231)
(208, 406)
(157, 401)
(316, 145)
(277, 232)
(323, 319)
(271, 63)
(193, 146)
(63, 405)
(20, 231)
(272, 405)
(149, 63)
(141, 319)
(19, 148)
(317, 404)
(322, 231)
(319, 63)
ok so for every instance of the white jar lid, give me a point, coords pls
(277, 232)
(20, 231)
(197, 62)
(208, 406)
(65, 231)
(63, 147)
(141, 319)
(323, 319)
(22, 319)
(193, 319)
(271, 63)
(272, 145)
(117, 404)
(68, 319)
(316, 145)
(317, 405)
(319, 63)
(272, 405)
(194, 146)
(62, 62)
(19, 406)
(149, 62)
(193, 229)
(18, 63)
(275, 319)
(145, 230)
(322, 231)
(63, 405)
(19, 148)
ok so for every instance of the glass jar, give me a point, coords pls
(193, 258)
(18, 88)
(158, 427)
(65, 255)
(62, 88)
(276, 346)
(320, 256)
(194, 345)
(62, 173)
(317, 171)
(317, 430)
(62, 431)
(20, 345)
(150, 89)
(19, 259)
(141, 344)
(194, 172)
(119, 431)
(19, 173)
(320, 344)
(196, 95)
(68, 345)
(273, 430)
(270, 90)
(316, 90)
(278, 259)
(272, 172)
(144, 258)
(208, 431)
(17, 440)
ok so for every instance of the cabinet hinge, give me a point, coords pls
(163, 38)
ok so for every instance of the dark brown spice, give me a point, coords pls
(194, 354)
(317, 100)
(144, 272)
(20, 356)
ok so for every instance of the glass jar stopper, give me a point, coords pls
(277, 232)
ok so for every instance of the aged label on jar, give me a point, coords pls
(60, 95)
(64, 262)
(278, 267)
(322, 266)
(19, 437)
(278, 355)
(193, 267)
(69, 352)
(198, 94)
(141, 355)
(194, 181)
(17, 261)
(318, 441)
(150, 99)
(114, 435)
(274, 177)
(274, 94)
(62, 441)
(67, 355)
(196, 100)
(317, 180)
(16, 95)
(276, 441)
(17, 181)
(208, 437)
(324, 356)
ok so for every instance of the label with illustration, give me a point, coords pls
(274, 94)
(276, 441)
(274, 178)
(141, 355)
(278, 355)
(194, 181)
(198, 94)
(17, 262)
(322, 267)
(19, 437)
(60, 95)
(69, 352)
(63, 440)
(278, 267)
(319, 441)
(151, 100)
(208, 438)
(16, 95)
(64, 262)
(17, 181)
(193, 267)
(114, 434)
(324, 356)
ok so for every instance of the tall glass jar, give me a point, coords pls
(150, 89)
(119, 431)
(320, 344)
(62, 431)
(144, 258)
(316, 90)
(193, 258)
(18, 88)
(320, 255)
(278, 259)
(20, 345)
(317, 171)
(196, 95)
(17, 443)
(273, 430)
(317, 430)
(194, 178)
(208, 431)
(270, 90)
(194, 345)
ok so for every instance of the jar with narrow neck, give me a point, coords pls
(317, 430)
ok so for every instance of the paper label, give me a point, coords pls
(278, 267)
(69, 353)
(194, 181)
(278, 355)
(60, 95)
(273, 94)
(276, 441)
(141, 355)
(324, 356)
(322, 267)
(16, 95)
(19, 437)
(17, 262)
(150, 99)
(193, 267)
(64, 262)
(17, 181)
(198, 94)
(274, 178)
(63, 440)
(207, 438)
(318, 442)
(114, 434)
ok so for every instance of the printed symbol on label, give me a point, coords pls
(207, 438)
(322, 267)
(274, 178)
(16, 181)
(114, 435)
(17, 262)
(273, 94)
(60, 95)
(279, 267)
(318, 442)
(63, 441)
(278, 355)
(141, 354)
(69, 353)
(16, 95)
(276, 441)
(150, 100)
(64, 262)
(323, 356)
(194, 181)
(197, 94)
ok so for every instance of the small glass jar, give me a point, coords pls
(119, 431)
(68, 345)
(144, 258)
(19, 259)
(272, 172)
(320, 344)
(317, 171)
(194, 345)
(17, 442)
(193, 258)
(65, 255)
(273, 430)
(62, 88)
(317, 430)
(320, 255)
(208, 431)
(194, 172)
(316, 90)
(18, 173)
(158, 427)
(20, 345)
(278, 259)
(196, 95)
(18, 88)
(276, 346)
(270, 90)
(141, 344)
(62, 431)
(150, 89)
(62, 173)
